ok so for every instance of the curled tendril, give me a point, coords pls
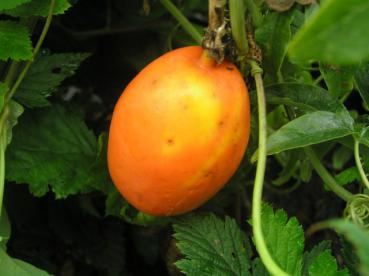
(357, 210)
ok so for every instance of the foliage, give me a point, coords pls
(61, 213)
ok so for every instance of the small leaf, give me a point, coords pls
(45, 74)
(273, 36)
(325, 264)
(362, 81)
(212, 246)
(11, 266)
(339, 79)
(348, 176)
(15, 42)
(310, 129)
(336, 34)
(38, 8)
(311, 255)
(51, 147)
(284, 238)
(280, 5)
(14, 111)
(9, 4)
(340, 157)
(358, 237)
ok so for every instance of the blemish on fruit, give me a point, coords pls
(230, 68)
(221, 124)
(170, 141)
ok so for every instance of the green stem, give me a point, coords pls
(3, 119)
(358, 163)
(255, 13)
(237, 15)
(326, 176)
(35, 52)
(177, 14)
(13, 68)
(260, 244)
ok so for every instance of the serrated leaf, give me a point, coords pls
(15, 42)
(273, 36)
(11, 266)
(362, 81)
(284, 238)
(310, 256)
(9, 4)
(51, 147)
(336, 34)
(310, 129)
(339, 79)
(212, 246)
(258, 268)
(38, 8)
(325, 264)
(348, 176)
(45, 75)
(304, 96)
(359, 238)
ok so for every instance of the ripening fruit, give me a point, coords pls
(178, 132)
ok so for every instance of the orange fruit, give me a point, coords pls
(178, 132)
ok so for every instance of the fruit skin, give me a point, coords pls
(178, 132)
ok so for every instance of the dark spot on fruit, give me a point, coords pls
(230, 68)
(221, 124)
(170, 141)
(154, 82)
(208, 174)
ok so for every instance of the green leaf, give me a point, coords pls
(284, 238)
(310, 129)
(9, 4)
(3, 89)
(15, 42)
(359, 238)
(258, 268)
(311, 255)
(325, 264)
(212, 246)
(362, 81)
(341, 156)
(38, 8)
(51, 147)
(45, 75)
(10, 266)
(304, 96)
(336, 34)
(339, 79)
(348, 176)
(273, 36)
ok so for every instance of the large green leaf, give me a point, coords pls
(15, 42)
(10, 266)
(51, 147)
(362, 81)
(273, 36)
(284, 238)
(45, 75)
(212, 246)
(9, 4)
(304, 96)
(336, 34)
(310, 129)
(38, 8)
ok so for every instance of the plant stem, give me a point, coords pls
(3, 118)
(35, 52)
(260, 244)
(237, 15)
(358, 163)
(11, 73)
(326, 176)
(255, 13)
(177, 14)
